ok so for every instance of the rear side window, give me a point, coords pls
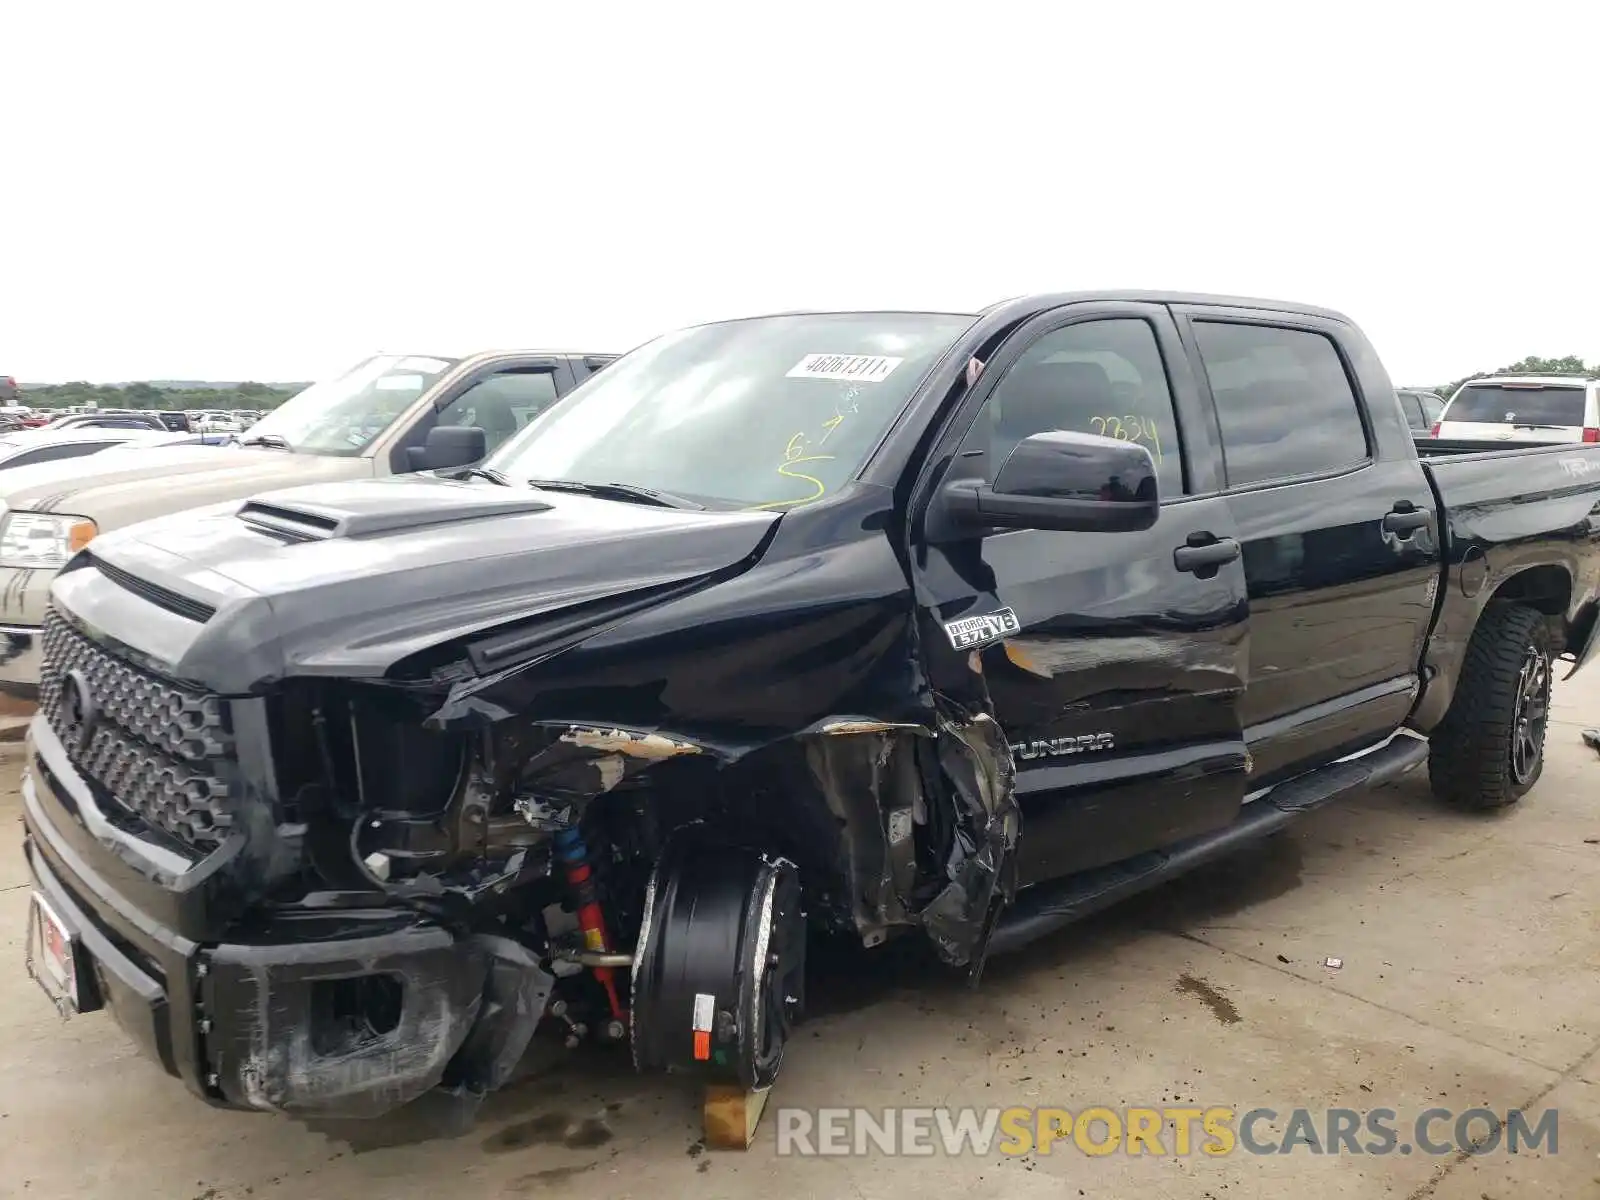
(1284, 403)
(1411, 405)
(1518, 404)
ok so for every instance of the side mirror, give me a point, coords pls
(1072, 482)
(450, 446)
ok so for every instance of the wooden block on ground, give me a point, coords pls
(16, 706)
(730, 1115)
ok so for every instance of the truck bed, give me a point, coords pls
(1553, 485)
(1518, 522)
(1431, 447)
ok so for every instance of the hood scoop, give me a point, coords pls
(372, 511)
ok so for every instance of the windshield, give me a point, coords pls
(1518, 404)
(341, 415)
(764, 413)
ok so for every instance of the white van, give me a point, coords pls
(1523, 408)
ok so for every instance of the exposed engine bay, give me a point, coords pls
(613, 884)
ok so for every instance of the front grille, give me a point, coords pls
(160, 749)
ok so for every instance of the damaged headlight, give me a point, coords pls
(42, 540)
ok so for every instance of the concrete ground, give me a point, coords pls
(1470, 977)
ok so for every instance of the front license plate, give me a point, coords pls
(52, 955)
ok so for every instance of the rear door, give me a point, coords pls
(1115, 675)
(1511, 410)
(1339, 528)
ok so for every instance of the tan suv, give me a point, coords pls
(388, 415)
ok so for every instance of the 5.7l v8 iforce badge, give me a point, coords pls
(971, 632)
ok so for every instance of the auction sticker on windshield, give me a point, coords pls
(855, 368)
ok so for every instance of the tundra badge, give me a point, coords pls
(971, 632)
(1057, 747)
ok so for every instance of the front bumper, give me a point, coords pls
(20, 654)
(24, 597)
(341, 1012)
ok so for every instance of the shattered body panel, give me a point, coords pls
(536, 696)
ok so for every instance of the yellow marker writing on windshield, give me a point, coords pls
(794, 454)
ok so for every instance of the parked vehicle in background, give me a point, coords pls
(10, 390)
(1523, 408)
(177, 421)
(388, 415)
(111, 420)
(796, 624)
(1422, 409)
(30, 447)
(177, 439)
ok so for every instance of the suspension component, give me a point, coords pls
(574, 858)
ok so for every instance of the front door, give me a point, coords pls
(1114, 663)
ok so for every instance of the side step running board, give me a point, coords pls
(1047, 907)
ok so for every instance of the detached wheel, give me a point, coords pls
(719, 973)
(1489, 749)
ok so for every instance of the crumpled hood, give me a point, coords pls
(347, 579)
(118, 487)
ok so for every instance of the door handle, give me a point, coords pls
(1205, 553)
(1405, 521)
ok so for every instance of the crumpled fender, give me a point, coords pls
(875, 794)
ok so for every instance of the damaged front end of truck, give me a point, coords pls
(390, 847)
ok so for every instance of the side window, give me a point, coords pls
(1411, 405)
(1105, 377)
(501, 404)
(1432, 409)
(1284, 403)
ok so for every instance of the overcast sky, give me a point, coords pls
(269, 191)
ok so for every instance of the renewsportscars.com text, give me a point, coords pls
(1162, 1131)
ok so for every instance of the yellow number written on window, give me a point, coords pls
(1130, 428)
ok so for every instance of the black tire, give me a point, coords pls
(1489, 749)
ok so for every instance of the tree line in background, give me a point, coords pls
(258, 396)
(1572, 364)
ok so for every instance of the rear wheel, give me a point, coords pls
(1489, 750)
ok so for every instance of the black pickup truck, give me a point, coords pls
(852, 623)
